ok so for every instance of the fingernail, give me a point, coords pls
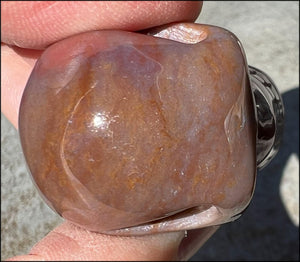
(193, 241)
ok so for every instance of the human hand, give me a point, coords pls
(42, 24)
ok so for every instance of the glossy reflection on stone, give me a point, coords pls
(126, 133)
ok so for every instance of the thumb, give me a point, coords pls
(69, 242)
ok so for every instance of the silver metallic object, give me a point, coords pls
(269, 116)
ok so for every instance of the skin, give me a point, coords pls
(29, 27)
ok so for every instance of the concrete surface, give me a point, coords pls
(269, 228)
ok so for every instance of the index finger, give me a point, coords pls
(36, 24)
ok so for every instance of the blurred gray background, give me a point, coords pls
(269, 228)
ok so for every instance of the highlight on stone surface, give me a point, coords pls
(127, 133)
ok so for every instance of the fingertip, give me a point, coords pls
(69, 242)
(48, 22)
(15, 71)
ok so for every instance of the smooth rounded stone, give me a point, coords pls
(127, 133)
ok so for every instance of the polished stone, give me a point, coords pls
(124, 130)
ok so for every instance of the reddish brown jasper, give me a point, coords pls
(123, 130)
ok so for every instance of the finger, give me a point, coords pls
(15, 71)
(36, 24)
(69, 242)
